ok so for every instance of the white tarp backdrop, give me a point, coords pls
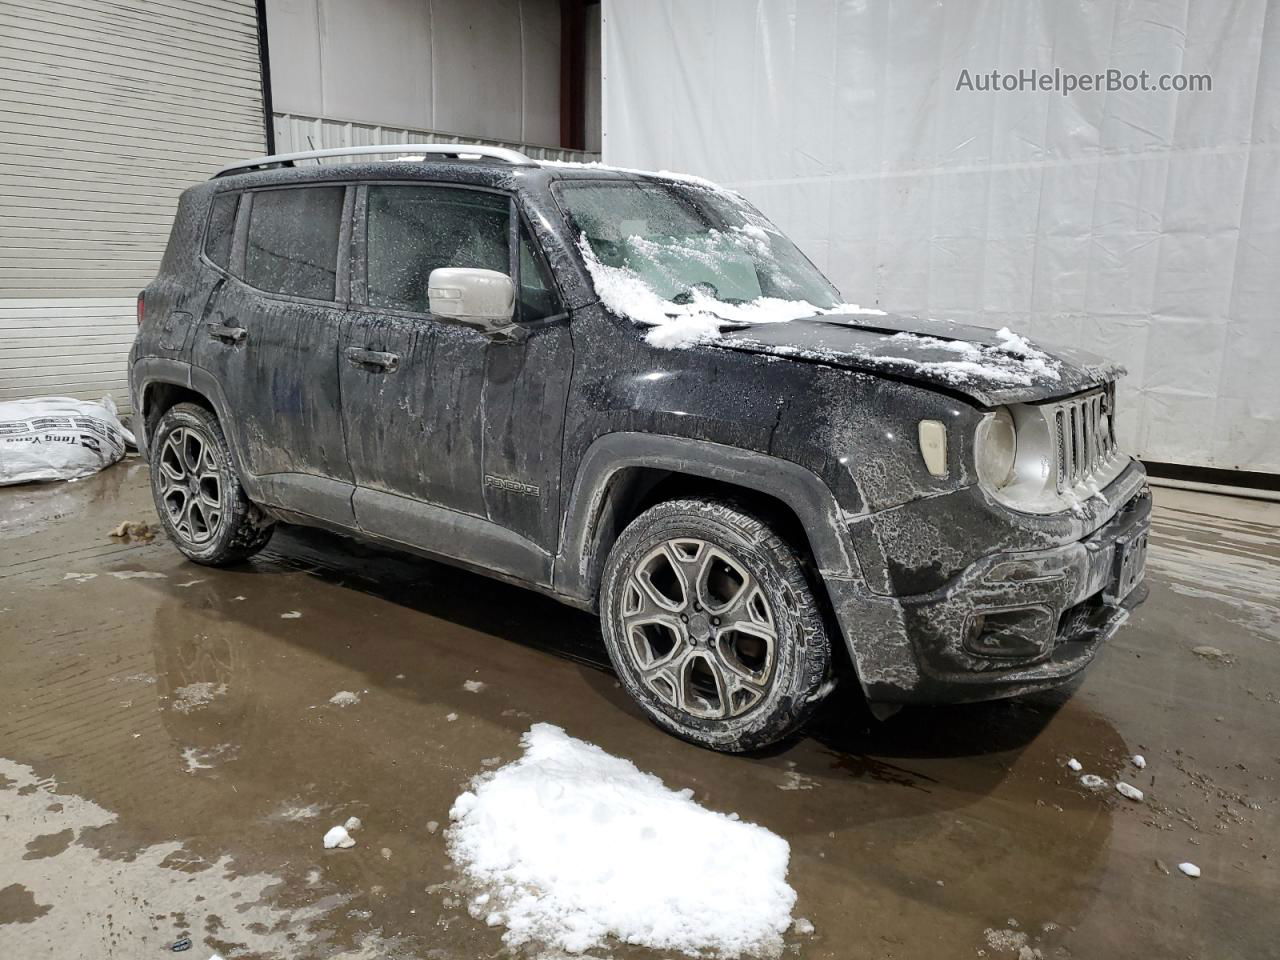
(1142, 225)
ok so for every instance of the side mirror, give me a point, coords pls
(471, 295)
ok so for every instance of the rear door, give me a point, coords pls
(270, 338)
(454, 436)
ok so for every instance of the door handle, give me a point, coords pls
(228, 334)
(373, 359)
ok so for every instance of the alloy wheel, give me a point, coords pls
(700, 629)
(191, 485)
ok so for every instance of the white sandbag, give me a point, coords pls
(58, 438)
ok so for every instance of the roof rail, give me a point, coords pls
(457, 150)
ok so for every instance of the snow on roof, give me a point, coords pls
(569, 846)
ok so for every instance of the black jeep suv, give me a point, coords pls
(631, 392)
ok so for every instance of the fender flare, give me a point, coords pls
(150, 371)
(582, 548)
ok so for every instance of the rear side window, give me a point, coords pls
(222, 224)
(414, 230)
(293, 241)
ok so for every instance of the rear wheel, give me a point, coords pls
(198, 496)
(712, 625)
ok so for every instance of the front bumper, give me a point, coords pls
(1009, 624)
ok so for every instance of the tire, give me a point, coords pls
(735, 665)
(198, 496)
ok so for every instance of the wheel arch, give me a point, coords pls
(160, 384)
(622, 474)
(160, 396)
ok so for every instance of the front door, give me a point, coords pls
(270, 338)
(453, 436)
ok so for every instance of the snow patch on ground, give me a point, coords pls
(340, 836)
(797, 781)
(196, 758)
(345, 698)
(196, 695)
(1128, 791)
(297, 813)
(135, 678)
(1005, 941)
(569, 846)
(473, 686)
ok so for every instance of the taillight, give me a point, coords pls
(141, 309)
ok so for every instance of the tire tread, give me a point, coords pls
(810, 683)
(250, 528)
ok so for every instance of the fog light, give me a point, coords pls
(1022, 633)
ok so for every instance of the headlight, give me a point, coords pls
(995, 449)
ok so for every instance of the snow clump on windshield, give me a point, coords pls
(703, 317)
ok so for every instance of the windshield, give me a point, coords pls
(664, 253)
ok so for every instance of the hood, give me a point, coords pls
(990, 367)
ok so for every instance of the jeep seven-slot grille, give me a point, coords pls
(1084, 430)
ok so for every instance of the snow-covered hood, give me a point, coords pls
(990, 367)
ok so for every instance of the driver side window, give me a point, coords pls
(412, 230)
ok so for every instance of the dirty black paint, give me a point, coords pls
(509, 454)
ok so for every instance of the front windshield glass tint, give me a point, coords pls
(687, 243)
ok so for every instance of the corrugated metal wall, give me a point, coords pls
(296, 133)
(481, 68)
(107, 111)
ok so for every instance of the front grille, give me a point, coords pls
(1085, 435)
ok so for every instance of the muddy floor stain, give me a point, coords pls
(18, 905)
(49, 844)
(174, 759)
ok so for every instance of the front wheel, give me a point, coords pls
(712, 625)
(198, 496)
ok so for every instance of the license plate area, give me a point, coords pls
(1130, 565)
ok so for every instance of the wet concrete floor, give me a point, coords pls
(170, 758)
